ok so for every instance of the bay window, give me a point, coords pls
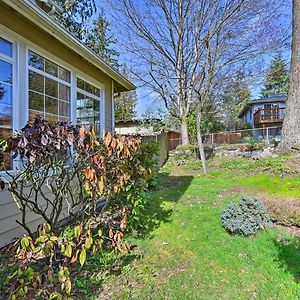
(6, 96)
(88, 105)
(49, 89)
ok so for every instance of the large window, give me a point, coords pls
(88, 105)
(49, 89)
(6, 96)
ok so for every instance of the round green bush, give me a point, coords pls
(247, 217)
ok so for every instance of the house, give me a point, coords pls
(138, 127)
(46, 71)
(264, 112)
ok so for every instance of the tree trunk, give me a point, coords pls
(184, 132)
(200, 142)
(291, 125)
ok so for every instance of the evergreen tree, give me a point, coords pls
(277, 78)
(236, 95)
(100, 40)
(76, 16)
(125, 103)
(95, 34)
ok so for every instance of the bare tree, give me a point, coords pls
(185, 50)
(291, 125)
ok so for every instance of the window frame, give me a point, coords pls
(13, 60)
(20, 109)
(45, 74)
(101, 99)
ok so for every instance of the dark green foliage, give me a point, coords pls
(247, 217)
(148, 158)
(100, 40)
(236, 95)
(76, 14)
(277, 80)
(210, 123)
(77, 18)
(125, 102)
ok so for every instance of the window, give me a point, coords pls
(250, 114)
(88, 105)
(49, 89)
(6, 96)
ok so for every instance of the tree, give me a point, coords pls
(291, 125)
(236, 95)
(76, 16)
(185, 50)
(277, 78)
(100, 40)
(125, 102)
(95, 34)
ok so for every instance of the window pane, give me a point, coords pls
(36, 101)
(34, 114)
(51, 118)
(36, 82)
(51, 68)
(64, 92)
(64, 108)
(64, 74)
(36, 61)
(6, 47)
(51, 105)
(51, 87)
(80, 83)
(5, 115)
(5, 72)
(5, 94)
(5, 159)
(96, 105)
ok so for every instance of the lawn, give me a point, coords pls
(186, 254)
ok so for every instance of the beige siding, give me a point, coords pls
(9, 213)
(23, 28)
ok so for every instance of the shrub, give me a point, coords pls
(247, 217)
(103, 183)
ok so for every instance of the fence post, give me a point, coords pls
(267, 136)
(212, 139)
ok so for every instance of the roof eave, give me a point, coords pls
(29, 10)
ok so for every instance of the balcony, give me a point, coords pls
(269, 116)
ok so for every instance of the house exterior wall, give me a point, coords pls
(249, 115)
(27, 36)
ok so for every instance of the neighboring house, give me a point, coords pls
(46, 71)
(137, 127)
(264, 112)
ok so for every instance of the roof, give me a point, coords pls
(274, 98)
(41, 19)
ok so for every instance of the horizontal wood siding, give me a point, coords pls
(9, 213)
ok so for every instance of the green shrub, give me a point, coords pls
(247, 217)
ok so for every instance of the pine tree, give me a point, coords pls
(95, 34)
(100, 40)
(125, 103)
(236, 95)
(277, 78)
(76, 16)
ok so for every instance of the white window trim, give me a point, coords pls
(20, 53)
(113, 121)
(101, 99)
(15, 78)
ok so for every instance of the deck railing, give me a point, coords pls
(269, 115)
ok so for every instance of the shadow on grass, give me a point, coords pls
(289, 256)
(168, 189)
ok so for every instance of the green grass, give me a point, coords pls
(188, 255)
